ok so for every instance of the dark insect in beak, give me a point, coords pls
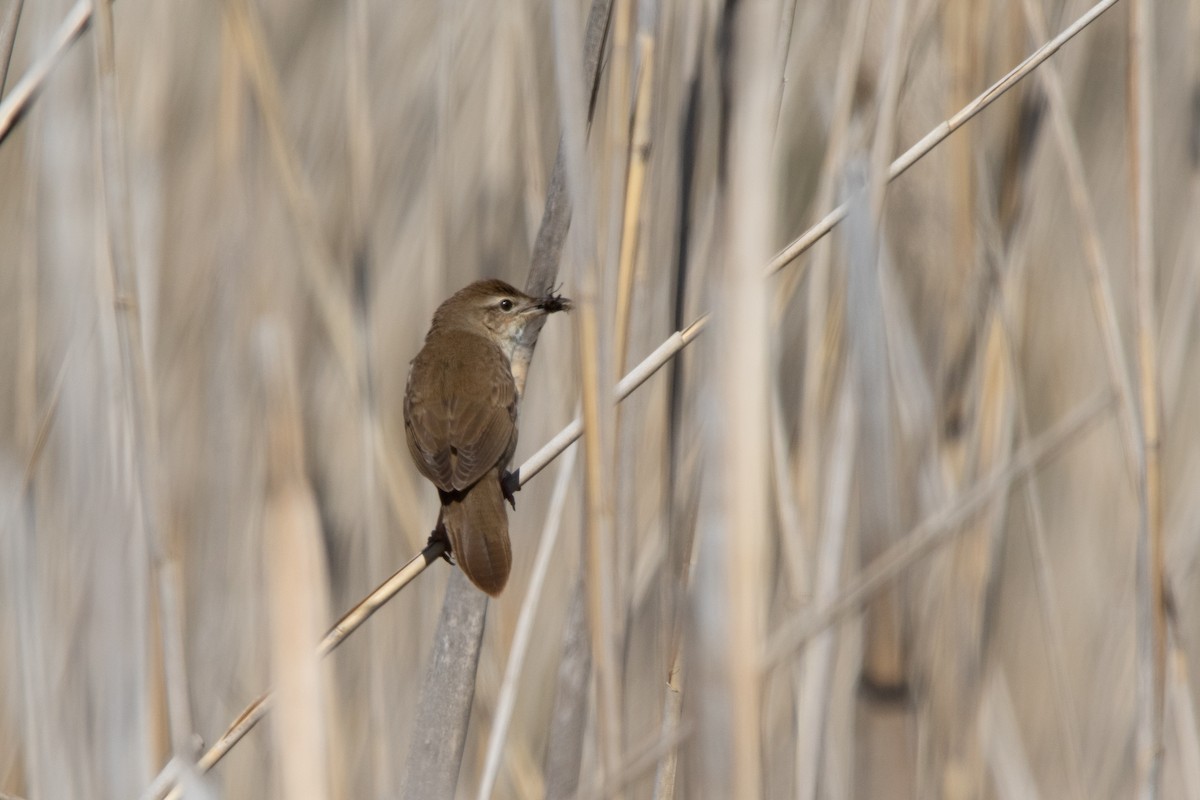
(554, 302)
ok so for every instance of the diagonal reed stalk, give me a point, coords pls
(362, 611)
(935, 529)
(938, 134)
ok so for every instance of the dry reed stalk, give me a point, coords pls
(1006, 753)
(564, 751)
(665, 775)
(1045, 585)
(138, 390)
(600, 529)
(8, 35)
(507, 696)
(1151, 618)
(638, 761)
(1179, 311)
(956, 680)
(447, 691)
(883, 142)
(363, 610)
(530, 99)
(964, 57)
(628, 147)
(1098, 272)
(569, 715)
(296, 587)
(783, 48)
(174, 664)
(350, 622)
(16, 102)
(21, 560)
(849, 63)
(884, 658)
(817, 661)
(460, 628)
(598, 416)
(732, 621)
(936, 136)
(821, 325)
(635, 182)
(329, 297)
(18, 559)
(1183, 710)
(360, 149)
(936, 529)
(619, 157)
(793, 550)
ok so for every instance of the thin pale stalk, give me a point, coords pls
(17, 102)
(849, 59)
(884, 657)
(568, 728)
(631, 225)
(883, 143)
(507, 697)
(668, 765)
(1183, 710)
(140, 408)
(1150, 615)
(635, 378)
(331, 299)
(787, 507)
(296, 585)
(624, 197)
(1043, 577)
(943, 130)
(1006, 753)
(362, 611)
(1012, 310)
(598, 418)
(814, 690)
(345, 626)
(8, 35)
(741, 352)
(960, 57)
(935, 530)
(1096, 262)
(639, 761)
(1179, 308)
(599, 564)
(360, 147)
(626, 435)
(783, 48)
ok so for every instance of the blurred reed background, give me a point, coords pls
(916, 516)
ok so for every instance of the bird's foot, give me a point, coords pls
(510, 484)
(439, 535)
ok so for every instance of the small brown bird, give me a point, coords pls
(460, 418)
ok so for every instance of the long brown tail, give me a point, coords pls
(477, 525)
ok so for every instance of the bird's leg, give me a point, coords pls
(510, 484)
(439, 535)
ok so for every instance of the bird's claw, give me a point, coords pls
(439, 535)
(510, 484)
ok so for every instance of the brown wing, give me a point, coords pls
(460, 410)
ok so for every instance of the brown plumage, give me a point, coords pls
(460, 419)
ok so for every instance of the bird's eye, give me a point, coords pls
(506, 305)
